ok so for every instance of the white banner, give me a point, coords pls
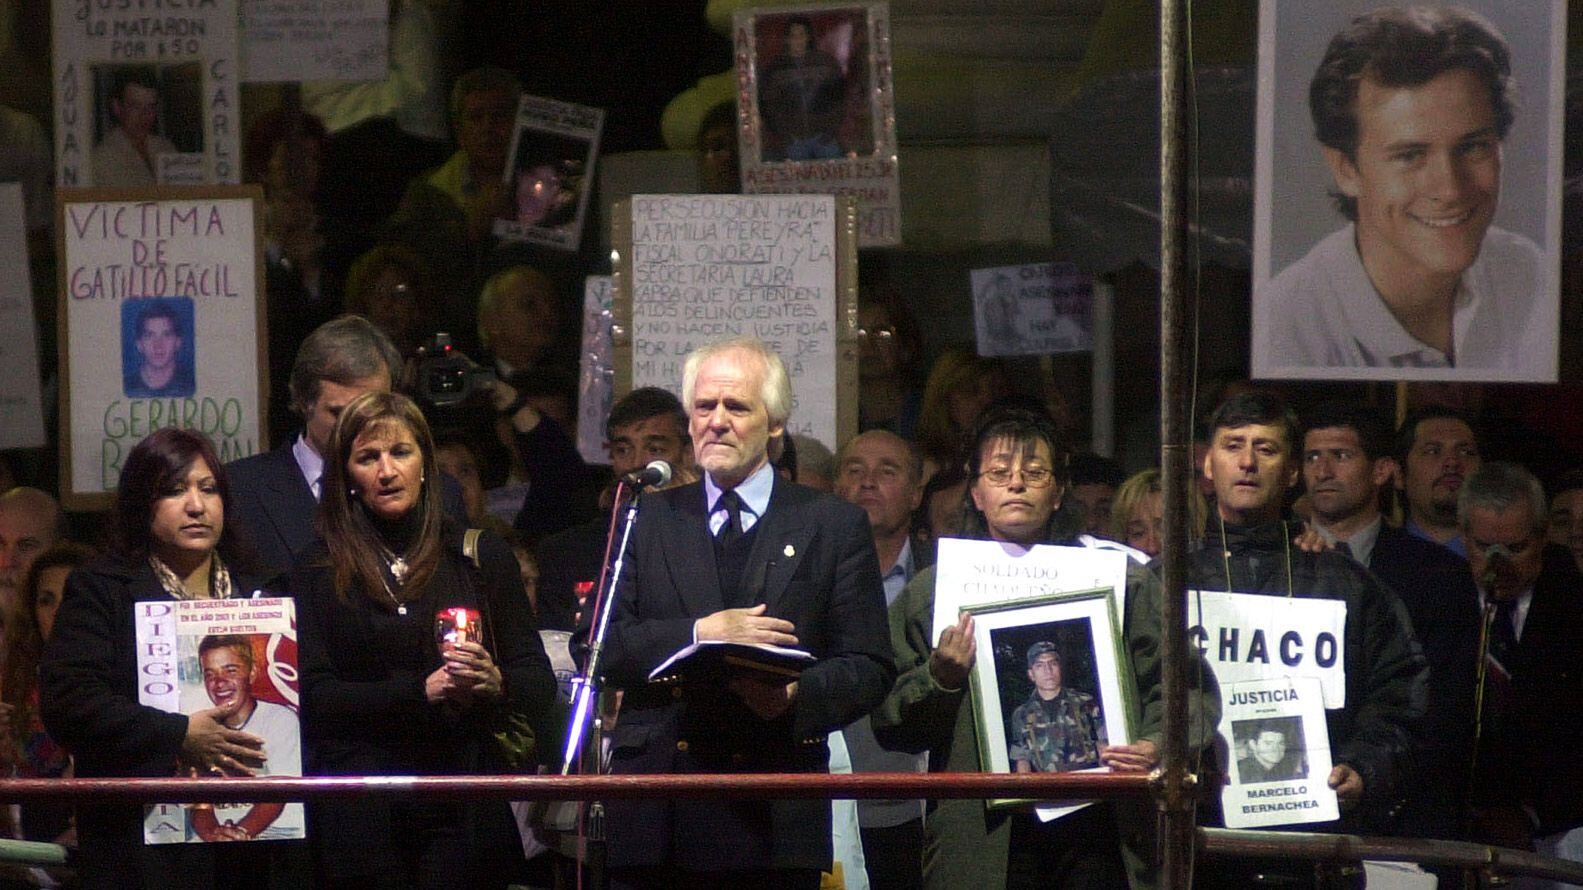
(1279, 763)
(20, 401)
(296, 40)
(972, 573)
(1250, 636)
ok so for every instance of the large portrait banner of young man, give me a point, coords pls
(1407, 191)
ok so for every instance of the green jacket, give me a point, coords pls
(964, 843)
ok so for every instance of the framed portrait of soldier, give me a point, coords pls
(1051, 685)
(816, 110)
(1407, 190)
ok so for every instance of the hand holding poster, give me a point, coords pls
(161, 317)
(238, 659)
(1279, 753)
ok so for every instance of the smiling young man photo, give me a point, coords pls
(1411, 107)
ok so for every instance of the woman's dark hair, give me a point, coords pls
(24, 641)
(349, 532)
(1024, 429)
(153, 467)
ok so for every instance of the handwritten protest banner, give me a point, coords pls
(814, 92)
(973, 573)
(137, 81)
(296, 40)
(163, 325)
(1249, 636)
(703, 268)
(1037, 309)
(20, 402)
(1279, 753)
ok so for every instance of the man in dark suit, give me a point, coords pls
(647, 424)
(277, 492)
(1347, 464)
(741, 556)
(1528, 770)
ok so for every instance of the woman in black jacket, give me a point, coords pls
(380, 695)
(174, 541)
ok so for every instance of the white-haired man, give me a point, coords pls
(742, 556)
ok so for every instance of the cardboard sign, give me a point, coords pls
(1038, 309)
(134, 82)
(550, 172)
(20, 402)
(194, 655)
(818, 115)
(163, 325)
(1279, 760)
(711, 267)
(973, 573)
(596, 380)
(297, 40)
(1249, 636)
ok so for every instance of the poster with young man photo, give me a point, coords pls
(1408, 191)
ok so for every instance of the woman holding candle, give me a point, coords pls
(383, 692)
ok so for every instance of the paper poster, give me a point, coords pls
(238, 655)
(1278, 765)
(1037, 309)
(818, 116)
(20, 402)
(710, 267)
(162, 308)
(138, 81)
(550, 172)
(972, 573)
(596, 379)
(297, 40)
(1250, 636)
(1438, 263)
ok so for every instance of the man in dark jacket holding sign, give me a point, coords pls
(1248, 548)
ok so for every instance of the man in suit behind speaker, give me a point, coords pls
(742, 556)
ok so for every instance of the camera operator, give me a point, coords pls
(536, 479)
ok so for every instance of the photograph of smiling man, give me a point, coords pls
(1433, 133)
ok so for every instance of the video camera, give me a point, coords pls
(446, 376)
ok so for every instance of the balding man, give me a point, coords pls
(31, 521)
(883, 473)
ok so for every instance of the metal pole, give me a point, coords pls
(1176, 781)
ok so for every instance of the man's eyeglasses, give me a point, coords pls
(1033, 477)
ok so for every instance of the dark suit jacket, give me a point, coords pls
(813, 564)
(1528, 753)
(1437, 588)
(276, 508)
(566, 559)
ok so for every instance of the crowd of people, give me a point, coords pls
(378, 507)
(354, 516)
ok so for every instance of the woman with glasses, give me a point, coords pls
(1016, 479)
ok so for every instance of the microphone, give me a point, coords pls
(655, 474)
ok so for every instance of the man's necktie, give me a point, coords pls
(1503, 636)
(731, 529)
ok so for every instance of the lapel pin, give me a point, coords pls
(790, 551)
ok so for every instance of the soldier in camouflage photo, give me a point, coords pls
(1058, 728)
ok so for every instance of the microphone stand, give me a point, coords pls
(585, 694)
